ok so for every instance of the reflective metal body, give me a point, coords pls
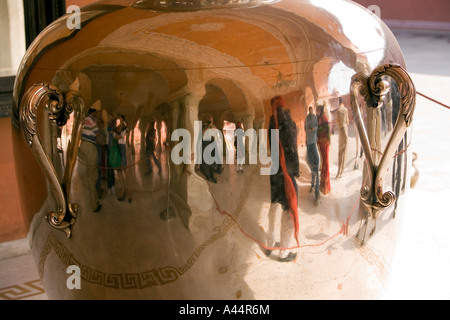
(165, 224)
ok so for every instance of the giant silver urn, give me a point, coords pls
(262, 150)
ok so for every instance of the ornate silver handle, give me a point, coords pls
(58, 107)
(373, 88)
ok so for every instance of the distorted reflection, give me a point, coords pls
(312, 152)
(312, 144)
(211, 149)
(113, 152)
(112, 159)
(150, 152)
(323, 141)
(102, 149)
(120, 134)
(88, 155)
(239, 143)
(342, 124)
(283, 186)
(129, 148)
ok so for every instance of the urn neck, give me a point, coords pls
(194, 5)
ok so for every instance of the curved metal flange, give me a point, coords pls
(372, 88)
(58, 107)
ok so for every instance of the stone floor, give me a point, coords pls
(423, 256)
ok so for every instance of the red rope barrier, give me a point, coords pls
(431, 99)
(343, 230)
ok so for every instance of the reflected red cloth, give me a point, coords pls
(288, 183)
(323, 141)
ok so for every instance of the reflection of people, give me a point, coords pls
(110, 177)
(120, 135)
(240, 149)
(312, 154)
(218, 139)
(208, 169)
(323, 140)
(101, 149)
(150, 141)
(342, 124)
(283, 187)
(88, 154)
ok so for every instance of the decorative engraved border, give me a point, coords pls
(22, 291)
(140, 280)
(376, 260)
(157, 276)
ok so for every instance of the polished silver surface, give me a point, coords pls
(279, 217)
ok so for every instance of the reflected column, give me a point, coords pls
(186, 197)
(247, 120)
(159, 141)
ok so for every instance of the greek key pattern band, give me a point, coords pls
(376, 260)
(141, 280)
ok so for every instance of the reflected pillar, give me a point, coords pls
(159, 141)
(247, 121)
(189, 196)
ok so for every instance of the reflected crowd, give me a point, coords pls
(116, 154)
(107, 143)
(104, 152)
